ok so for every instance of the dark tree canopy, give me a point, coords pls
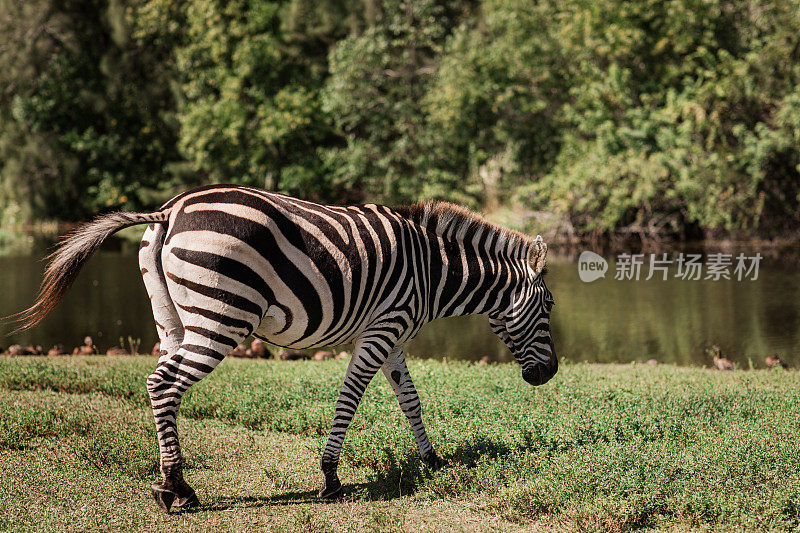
(652, 117)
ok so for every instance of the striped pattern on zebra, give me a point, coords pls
(222, 262)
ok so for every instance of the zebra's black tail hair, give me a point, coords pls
(70, 255)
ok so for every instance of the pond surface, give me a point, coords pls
(607, 320)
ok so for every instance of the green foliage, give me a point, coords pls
(20, 425)
(377, 83)
(492, 107)
(82, 115)
(666, 127)
(251, 110)
(678, 117)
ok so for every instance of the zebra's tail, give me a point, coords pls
(70, 255)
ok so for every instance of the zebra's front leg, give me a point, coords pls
(367, 359)
(399, 378)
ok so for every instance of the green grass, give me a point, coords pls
(600, 447)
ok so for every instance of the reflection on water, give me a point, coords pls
(107, 301)
(605, 321)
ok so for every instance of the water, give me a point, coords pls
(603, 321)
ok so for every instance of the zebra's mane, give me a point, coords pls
(454, 221)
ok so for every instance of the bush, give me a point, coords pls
(649, 118)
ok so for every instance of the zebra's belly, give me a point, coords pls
(270, 331)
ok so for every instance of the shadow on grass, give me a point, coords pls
(288, 498)
(401, 476)
(481, 446)
(391, 478)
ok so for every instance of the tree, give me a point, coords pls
(82, 126)
(250, 75)
(376, 89)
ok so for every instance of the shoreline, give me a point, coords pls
(563, 363)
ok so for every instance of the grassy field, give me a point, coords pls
(599, 448)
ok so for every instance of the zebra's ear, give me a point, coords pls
(538, 255)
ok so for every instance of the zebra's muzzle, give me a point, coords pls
(541, 373)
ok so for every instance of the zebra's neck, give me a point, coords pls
(479, 273)
(475, 266)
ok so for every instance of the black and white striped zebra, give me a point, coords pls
(223, 262)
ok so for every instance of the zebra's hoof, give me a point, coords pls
(182, 497)
(434, 462)
(331, 489)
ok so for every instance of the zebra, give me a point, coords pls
(222, 262)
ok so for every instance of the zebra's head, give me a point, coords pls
(525, 325)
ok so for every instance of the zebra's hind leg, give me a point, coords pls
(194, 359)
(168, 322)
(368, 357)
(399, 378)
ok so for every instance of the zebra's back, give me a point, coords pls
(296, 273)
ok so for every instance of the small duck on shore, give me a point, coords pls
(18, 349)
(15, 350)
(117, 350)
(239, 351)
(720, 361)
(775, 361)
(57, 349)
(87, 348)
(258, 349)
(323, 355)
(292, 355)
